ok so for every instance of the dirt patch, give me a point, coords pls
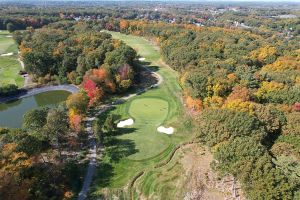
(202, 182)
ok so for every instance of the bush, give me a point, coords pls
(9, 89)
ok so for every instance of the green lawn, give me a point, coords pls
(7, 43)
(9, 65)
(141, 147)
(148, 114)
(141, 45)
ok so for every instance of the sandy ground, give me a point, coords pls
(127, 122)
(7, 54)
(162, 129)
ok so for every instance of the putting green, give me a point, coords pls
(148, 114)
(149, 110)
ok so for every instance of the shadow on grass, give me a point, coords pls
(144, 63)
(123, 131)
(116, 148)
(104, 174)
(153, 68)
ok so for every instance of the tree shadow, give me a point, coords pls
(104, 173)
(144, 63)
(145, 79)
(153, 68)
(122, 131)
(116, 148)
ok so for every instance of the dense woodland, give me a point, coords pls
(245, 90)
(41, 159)
(242, 86)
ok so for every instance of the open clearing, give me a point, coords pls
(9, 65)
(140, 147)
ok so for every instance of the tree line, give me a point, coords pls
(244, 91)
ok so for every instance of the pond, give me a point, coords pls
(11, 113)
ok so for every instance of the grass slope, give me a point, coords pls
(9, 65)
(141, 147)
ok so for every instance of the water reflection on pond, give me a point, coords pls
(11, 113)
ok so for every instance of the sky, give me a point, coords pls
(277, 1)
(170, 0)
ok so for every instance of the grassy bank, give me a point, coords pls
(9, 65)
(141, 147)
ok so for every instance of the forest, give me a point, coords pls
(38, 160)
(240, 86)
(244, 89)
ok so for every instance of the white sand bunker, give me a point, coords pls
(9, 36)
(7, 54)
(142, 59)
(168, 131)
(127, 122)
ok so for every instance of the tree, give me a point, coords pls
(218, 125)
(75, 120)
(271, 118)
(78, 102)
(123, 54)
(296, 107)
(10, 27)
(94, 93)
(196, 82)
(13, 163)
(239, 92)
(262, 180)
(34, 120)
(195, 104)
(97, 127)
(109, 124)
(233, 154)
(18, 37)
(57, 127)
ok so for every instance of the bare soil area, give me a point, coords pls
(202, 182)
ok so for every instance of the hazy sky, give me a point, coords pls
(277, 1)
(170, 0)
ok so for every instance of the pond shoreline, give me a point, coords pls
(30, 92)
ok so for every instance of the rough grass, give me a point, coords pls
(141, 147)
(9, 65)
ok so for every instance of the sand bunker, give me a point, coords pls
(142, 59)
(168, 131)
(124, 123)
(9, 36)
(7, 54)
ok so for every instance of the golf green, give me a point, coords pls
(149, 110)
(148, 113)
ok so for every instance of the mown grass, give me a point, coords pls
(148, 114)
(9, 65)
(9, 69)
(142, 147)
